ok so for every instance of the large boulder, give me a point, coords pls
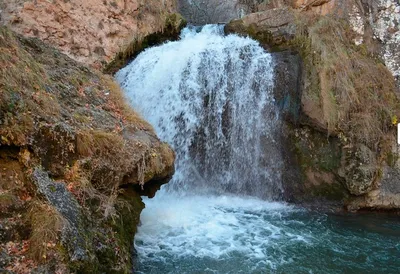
(360, 168)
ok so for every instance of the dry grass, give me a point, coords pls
(46, 223)
(90, 142)
(106, 196)
(78, 182)
(356, 91)
(118, 104)
(22, 90)
(6, 200)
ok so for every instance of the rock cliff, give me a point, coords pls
(91, 31)
(74, 160)
(342, 112)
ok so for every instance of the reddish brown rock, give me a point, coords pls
(90, 31)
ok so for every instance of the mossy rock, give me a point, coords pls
(318, 158)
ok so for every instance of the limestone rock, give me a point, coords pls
(385, 197)
(272, 27)
(359, 168)
(64, 202)
(386, 27)
(72, 145)
(91, 31)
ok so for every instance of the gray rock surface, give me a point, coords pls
(200, 12)
(384, 18)
(62, 200)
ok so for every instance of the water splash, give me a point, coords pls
(210, 97)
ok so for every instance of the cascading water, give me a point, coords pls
(210, 97)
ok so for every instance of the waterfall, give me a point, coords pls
(210, 97)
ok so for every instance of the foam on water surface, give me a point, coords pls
(210, 97)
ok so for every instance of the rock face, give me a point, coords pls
(74, 158)
(271, 27)
(383, 17)
(57, 194)
(91, 31)
(200, 12)
(341, 140)
(74, 161)
(174, 23)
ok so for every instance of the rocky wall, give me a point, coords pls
(347, 95)
(91, 31)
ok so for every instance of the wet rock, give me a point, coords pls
(311, 164)
(287, 84)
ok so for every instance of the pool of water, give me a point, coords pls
(230, 234)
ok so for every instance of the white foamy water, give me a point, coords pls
(231, 234)
(210, 97)
(213, 228)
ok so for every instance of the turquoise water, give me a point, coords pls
(210, 96)
(227, 234)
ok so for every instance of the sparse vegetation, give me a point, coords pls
(353, 88)
(46, 225)
(74, 123)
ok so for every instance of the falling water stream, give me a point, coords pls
(210, 97)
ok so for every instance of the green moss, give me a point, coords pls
(319, 156)
(392, 158)
(52, 188)
(315, 150)
(330, 192)
(125, 225)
